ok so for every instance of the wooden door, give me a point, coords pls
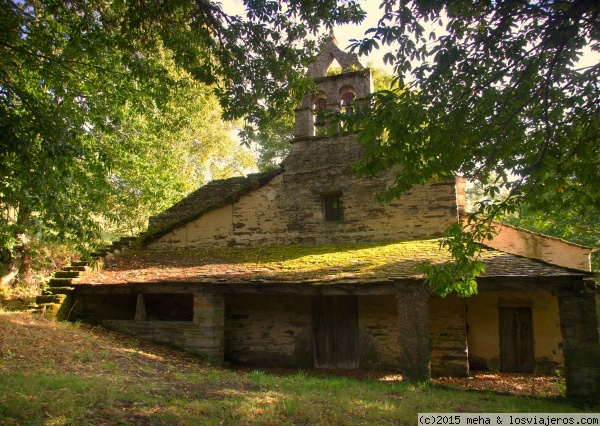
(516, 340)
(335, 332)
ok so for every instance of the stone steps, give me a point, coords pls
(50, 309)
(66, 274)
(47, 309)
(75, 268)
(50, 298)
(61, 284)
(58, 290)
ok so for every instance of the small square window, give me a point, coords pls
(332, 207)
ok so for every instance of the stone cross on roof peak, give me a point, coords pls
(332, 36)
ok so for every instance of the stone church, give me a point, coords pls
(300, 267)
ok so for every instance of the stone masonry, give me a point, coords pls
(203, 335)
(289, 210)
(581, 343)
(354, 77)
(287, 206)
(413, 321)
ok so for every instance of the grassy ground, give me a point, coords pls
(70, 374)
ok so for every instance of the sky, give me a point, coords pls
(345, 33)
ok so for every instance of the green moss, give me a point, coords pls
(341, 263)
(295, 261)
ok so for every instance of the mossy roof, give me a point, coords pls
(215, 194)
(348, 263)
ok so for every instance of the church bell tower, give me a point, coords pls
(338, 92)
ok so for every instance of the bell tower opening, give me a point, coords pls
(334, 69)
(347, 100)
(319, 109)
(342, 82)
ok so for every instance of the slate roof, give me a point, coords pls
(348, 263)
(213, 195)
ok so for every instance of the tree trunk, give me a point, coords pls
(11, 271)
(19, 262)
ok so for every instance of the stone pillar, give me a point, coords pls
(581, 342)
(304, 125)
(140, 308)
(209, 316)
(413, 320)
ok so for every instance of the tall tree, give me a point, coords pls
(164, 154)
(498, 93)
(76, 76)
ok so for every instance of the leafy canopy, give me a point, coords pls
(87, 93)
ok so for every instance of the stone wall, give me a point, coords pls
(289, 209)
(180, 334)
(328, 53)
(202, 334)
(214, 229)
(424, 212)
(332, 87)
(258, 218)
(209, 317)
(553, 250)
(379, 334)
(483, 329)
(354, 76)
(264, 330)
(94, 309)
(579, 326)
(448, 335)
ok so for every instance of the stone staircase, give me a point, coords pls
(61, 284)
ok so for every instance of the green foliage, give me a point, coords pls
(273, 141)
(334, 70)
(51, 166)
(382, 79)
(497, 93)
(566, 220)
(106, 106)
(165, 154)
(565, 223)
(578, 224)
(460, 274)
